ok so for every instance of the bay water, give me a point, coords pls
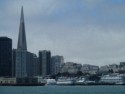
(62, 89)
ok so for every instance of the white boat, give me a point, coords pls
(90, 82)
(80, 81)
(65, 81)
(50, 81)
(113, 79)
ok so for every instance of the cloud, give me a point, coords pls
(84, 31)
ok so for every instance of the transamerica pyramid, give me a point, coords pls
(22, 45)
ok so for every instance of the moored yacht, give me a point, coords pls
(80, 81)
(50, 81)
(65, 81)
(117, 79)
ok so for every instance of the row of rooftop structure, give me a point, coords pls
(72, 67)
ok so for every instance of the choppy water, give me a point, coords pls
(62, 90)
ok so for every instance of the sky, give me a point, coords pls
(83, 31)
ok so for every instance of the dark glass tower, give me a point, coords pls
(13, 62)
(5, 57)
(44, 60)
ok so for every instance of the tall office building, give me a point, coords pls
(56, 62)
(23, 59)
(5, 57)
(44, 60)
(13, 62)
(24, 64)
(35, 65)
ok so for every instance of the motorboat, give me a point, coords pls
(65, 81)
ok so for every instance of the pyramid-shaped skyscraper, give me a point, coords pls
(23, 60)
(22, 45)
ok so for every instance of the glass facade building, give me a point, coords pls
(44, 60)
(5, 57)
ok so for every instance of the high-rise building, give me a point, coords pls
(24, 64)
(5, 56)
(56, 62)
(44, 60)
(23, 59)
(35, 65)
(13, 62)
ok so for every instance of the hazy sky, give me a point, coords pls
(83, 31)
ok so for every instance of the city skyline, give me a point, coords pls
(82, 31)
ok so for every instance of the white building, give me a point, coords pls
(92, 69)
(56, 62)
(71, 67)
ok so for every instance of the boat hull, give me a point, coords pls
(65, 83)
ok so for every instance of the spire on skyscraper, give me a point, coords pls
(22, 45)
